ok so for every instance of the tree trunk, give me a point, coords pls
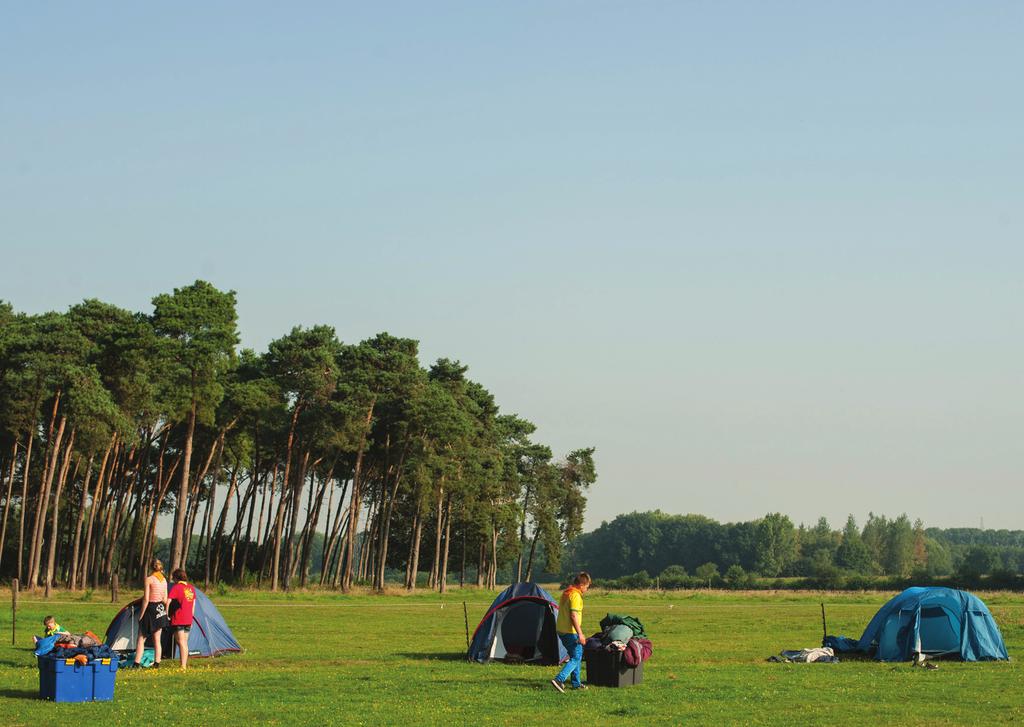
(533, 549)
(73, 576)
(221, 522)
(435, 566)
(7, 501)
(93, 508)
(291, 564)
(336, 532)
(354, 502)
(522, 536)
(447, 542)
(178, 556)
(24, 501)
(492, 578)
(414, 553)
(210, 504)
(42, 505)
(266, 543)
(55, 525)
(310, 528)
(462, 570)
(279, 530)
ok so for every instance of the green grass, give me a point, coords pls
(316, 658)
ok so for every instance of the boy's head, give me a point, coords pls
(179, 575)
(582, 581)
(49, 622)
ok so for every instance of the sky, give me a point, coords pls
(763, 256)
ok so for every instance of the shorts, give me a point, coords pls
(154, 619)
(178, 629)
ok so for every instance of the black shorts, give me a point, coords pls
(154, 619)
(179, 629)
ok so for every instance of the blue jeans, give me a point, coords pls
(572, 667)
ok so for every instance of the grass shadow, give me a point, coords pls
(19, 694)
(436, 656)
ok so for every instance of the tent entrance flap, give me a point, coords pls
(517, 631)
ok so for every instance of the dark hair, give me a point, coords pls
(582, 579)
(179, 574)
(48, 618)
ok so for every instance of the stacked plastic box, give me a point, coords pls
(609, 669)
(64, 680)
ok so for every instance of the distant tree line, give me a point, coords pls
(352, 458)
(647, 549)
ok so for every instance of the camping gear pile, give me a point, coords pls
(63, 640)
(624, 634)
(616, 654)
(519, 627)
(210, 634)
(928, 623)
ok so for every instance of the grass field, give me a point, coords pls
(314, 658)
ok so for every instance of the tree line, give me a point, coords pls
(351, 455)
(643, 549)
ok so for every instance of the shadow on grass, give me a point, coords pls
(436, 656)
(19, 694)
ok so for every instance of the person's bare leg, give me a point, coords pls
(139, 648)
(182, 638)
(157, 646)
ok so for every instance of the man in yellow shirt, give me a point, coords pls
(569, 626)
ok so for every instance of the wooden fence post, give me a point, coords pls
(113, 588)
(14, 610)
(465, 614)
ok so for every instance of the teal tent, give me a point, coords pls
(932, 622)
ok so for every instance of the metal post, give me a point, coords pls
(465, 613)
(14, 610)
(824, 628)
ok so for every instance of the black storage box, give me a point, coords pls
(609, 669)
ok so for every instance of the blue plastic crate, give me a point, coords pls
(62, 680)
(104, 673)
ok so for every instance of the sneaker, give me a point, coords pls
(156, 665)
(133, 665)
(558, 685)
(581, 686)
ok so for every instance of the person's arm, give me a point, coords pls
(574, 617)
(145, 599)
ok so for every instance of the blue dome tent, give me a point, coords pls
(520, 626)
(933, 622)
(210, 634)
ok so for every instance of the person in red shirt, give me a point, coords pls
(183, 601)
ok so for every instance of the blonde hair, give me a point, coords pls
(158, 565)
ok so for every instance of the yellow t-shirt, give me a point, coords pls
(572, 600)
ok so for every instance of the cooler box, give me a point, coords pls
(62, 680)
(104, 673)
(609, 669)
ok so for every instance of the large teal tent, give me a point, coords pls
(933, 622)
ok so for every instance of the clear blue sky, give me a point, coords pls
(763, 256)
